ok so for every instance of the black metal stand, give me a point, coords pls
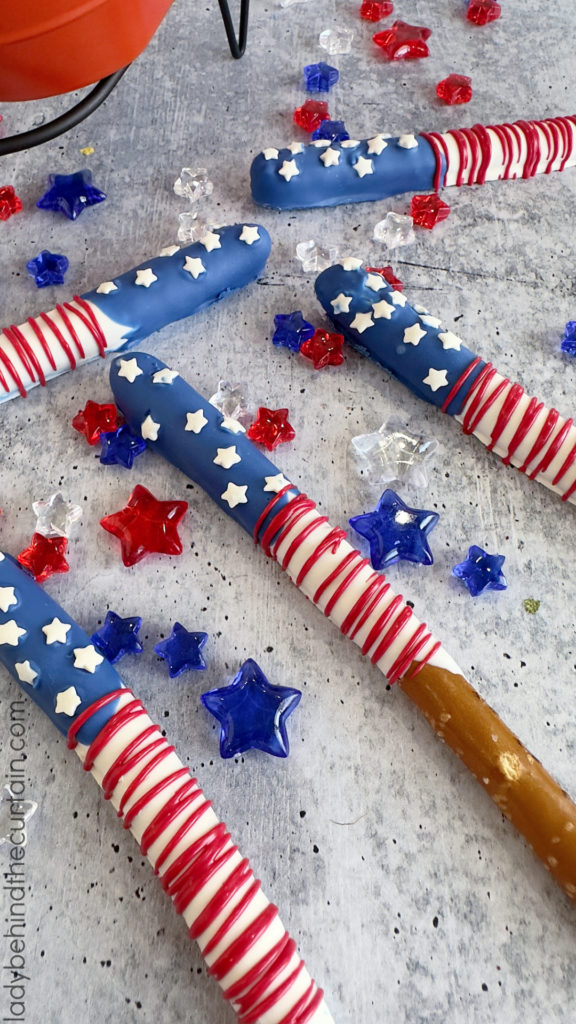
(237, 44)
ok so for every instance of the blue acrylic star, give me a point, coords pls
(481, 571)
(182, 650)
(120, 447)
(118, 637)
(334, 131)
(395, 531)
(70, 194)
(568, 343)
(320, 77)
(292, 330)
(252, 713)
(47, 268)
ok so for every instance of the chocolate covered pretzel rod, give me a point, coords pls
(122, 311)
(214, 452)
(326, 173)
(436, 365)
(239, 932)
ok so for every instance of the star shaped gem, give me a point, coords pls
(47, 268)
(330, 157)
(146, 526)
(182, 650)
(341, 304)
(395, 452)
(376, 145)
(56, 631)
(118, 637)
(210, 241)
(55, 517)
(10, 633)
(164, 376)
(129, 369)
(413, 334)
(120, 447)
(276, 483)
(195, 267)
(320, 77)
(395, 531)
(481, 571)
(70, 194)
(271, 428)
(106, 287)
(289, 169)
(232, 426)
(436, 379)
(149, 429)
(87, 658)
(427, 211)
(13, 808)
(26, 674)
(291, 330)
(481, 12)
(450, 340)
(249, 234)
(227, 457)
(10, 203)
(195, 421)
(252, 713)
(95, 419)
(7, 598)
(67, 701)
(361, 322)
(270, 153)
(350, 263)
(324, 349)
(44, 556)
(383, 309)
(363, 166)
(231, 399)
(235, 495)
(145, 277)
(331, 131)
(403, 42)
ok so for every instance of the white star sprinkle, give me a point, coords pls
(363, 167)
(1, 556)
(7, 598)
(106, 287)
(361, 322)
(288, 169)
(235, 494)
(26, 673)
(430, 321)
(276, 483)
(56, 631)
(129, 369)
(341, 304)
(232, 425)
(145, 277)
(320, 143)
(330, 157)
(149, 429)
(249, 234)
(270, 153)
(10, 633)
(383, 309)
(450, 340)
(195, 267)
(227, 457)
(164, 376)
(169, 250)
(408, 141)
(413, 334)
(195, 421)
(349, 143)
(420, 309)
(398, 299)
(210, 241)
(87, 658)
(67, 701)
(436, 379)
(377, 144)
(295, 148)
(374, 282)
(350, 263)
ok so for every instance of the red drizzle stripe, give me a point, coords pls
(461, 380)
(60, 337)
(271, 504)
(257, 991)
(544, 436)
(256, 1013)
(509, 406)
(553, 450)
(66, 320)
(26, 354)
(527, 422)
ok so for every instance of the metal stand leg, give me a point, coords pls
(237, 44)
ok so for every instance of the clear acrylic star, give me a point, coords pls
(398, 451)
(55, 517)
(14, 815)
(232, 401)
(315, 258)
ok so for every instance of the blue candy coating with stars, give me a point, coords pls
(118, 636)
(396, 532)
(70, 194)
(190, 433)
(318, 182)
(481, 571)
(412, 346)
(252, 713)
(51, 664)
(182, 650)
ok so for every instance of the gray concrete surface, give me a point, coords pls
(411, 898)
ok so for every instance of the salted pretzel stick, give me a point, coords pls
(238, 930)
(214, 452)
(326, 173)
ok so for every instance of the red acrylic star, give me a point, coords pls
(480, 12)
(9, 202)
(95, 419)
(455, 89)
(375, 10)
(427, 211)
(271, 427)
(146, 525)
(44, 556)
(311, 114)
(403, 41)
(324, 349)
(388, 275)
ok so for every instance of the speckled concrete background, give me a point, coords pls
(410, 896)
